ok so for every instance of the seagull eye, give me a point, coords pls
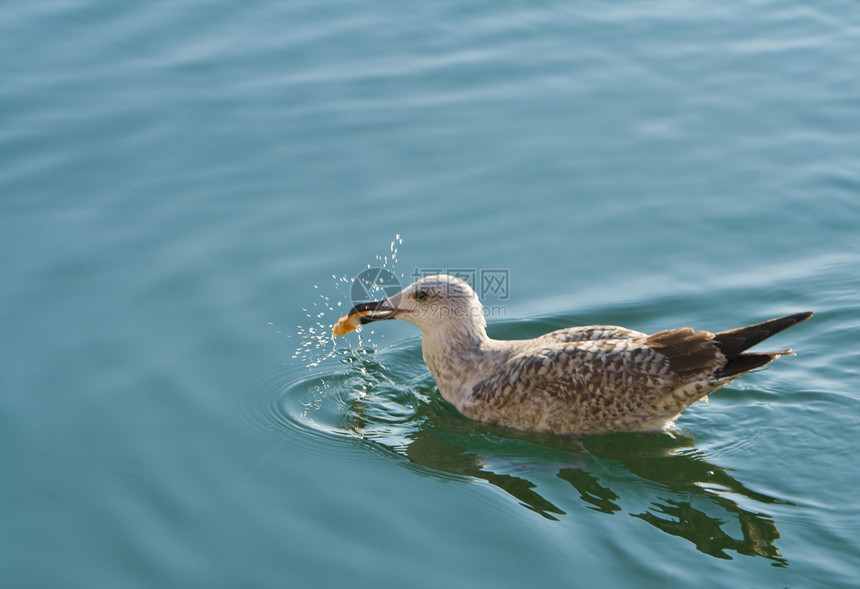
(421, 295)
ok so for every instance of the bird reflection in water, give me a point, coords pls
(691, 496)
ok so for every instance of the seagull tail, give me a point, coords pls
(734, 342)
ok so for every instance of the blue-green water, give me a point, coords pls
(184, 183)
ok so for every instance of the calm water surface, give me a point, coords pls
(187, 189)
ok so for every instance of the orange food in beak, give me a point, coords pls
(348, 323)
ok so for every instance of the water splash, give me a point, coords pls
(316, 342)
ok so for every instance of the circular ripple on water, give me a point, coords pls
(364, 395)
(385, 401)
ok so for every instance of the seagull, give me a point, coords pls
(580, 380)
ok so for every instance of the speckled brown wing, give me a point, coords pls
(620, 384)
(590, 333)
(611, 369)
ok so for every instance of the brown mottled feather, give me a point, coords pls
(691, 354)
(606, 378)
(590, 333)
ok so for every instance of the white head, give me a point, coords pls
(439, 304)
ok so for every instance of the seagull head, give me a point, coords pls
(438, 304)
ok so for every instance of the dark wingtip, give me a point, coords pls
(744, 363)
(731, 343)
(798, 317)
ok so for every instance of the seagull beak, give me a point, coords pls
(364, 313)
(373, 311)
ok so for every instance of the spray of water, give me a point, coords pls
(316, 344)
